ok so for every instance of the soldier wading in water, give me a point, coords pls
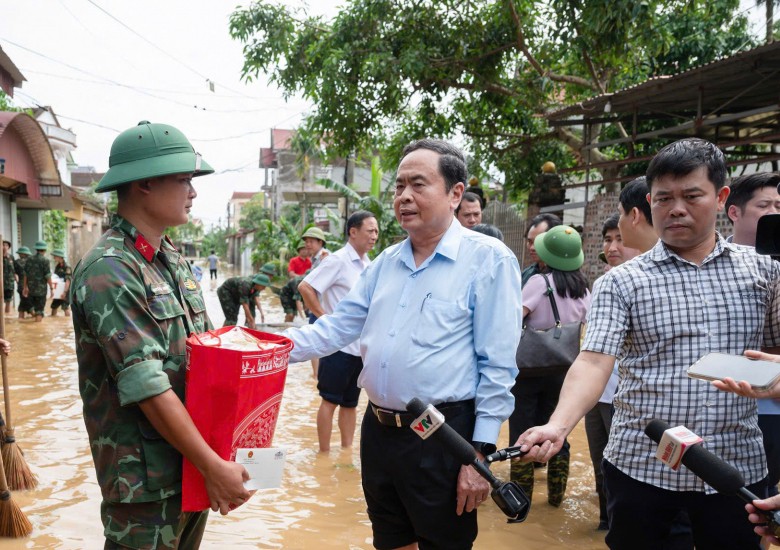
(134, 302)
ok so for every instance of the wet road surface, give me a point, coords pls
(320, 504)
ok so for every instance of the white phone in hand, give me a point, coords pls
(761, 375)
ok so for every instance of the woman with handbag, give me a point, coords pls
(555, 303)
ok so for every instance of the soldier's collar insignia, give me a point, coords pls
(189, 284)
(144, 247)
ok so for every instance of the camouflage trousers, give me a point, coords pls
(64, 304)
(230, 308)
(37, 304)
(156, 525)
(24, 304)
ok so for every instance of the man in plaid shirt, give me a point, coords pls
(691, 294)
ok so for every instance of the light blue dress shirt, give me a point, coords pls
(444, 331)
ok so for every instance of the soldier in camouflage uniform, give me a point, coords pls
(24, 302)
(37, 280)
(292, 302)
(9, 276)
(61, 270)
(134, 302)
(242, 292)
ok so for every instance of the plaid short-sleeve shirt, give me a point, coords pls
(660, 313)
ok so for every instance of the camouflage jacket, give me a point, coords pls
(131, 316)
(240, 289)
(38, 272)
(19, 264)
(63, 271)
(290, 289)
(8, 273)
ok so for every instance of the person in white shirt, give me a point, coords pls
(322, 290)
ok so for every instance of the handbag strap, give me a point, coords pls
(556, 315)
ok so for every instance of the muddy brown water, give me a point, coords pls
(320, 504)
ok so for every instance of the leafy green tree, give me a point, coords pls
(383, 72)
(214, 239)
(54, 228)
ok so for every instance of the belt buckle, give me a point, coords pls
(394, 414)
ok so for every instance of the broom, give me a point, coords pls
(13, 522)
(18, 474)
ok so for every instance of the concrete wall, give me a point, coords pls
(31, 222)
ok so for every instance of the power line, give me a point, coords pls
(142, 91)
(177, 60)
(161, 90)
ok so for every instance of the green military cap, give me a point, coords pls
(41, 245)
(58, 252)
(261, 279)
(314, 233)
(23, 250)
(269, 269)
(560, 248)
(149, 151)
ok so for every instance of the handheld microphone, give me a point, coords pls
(504, 454)
(715, 472)
(508, 496)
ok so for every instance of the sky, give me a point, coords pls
(103, 66)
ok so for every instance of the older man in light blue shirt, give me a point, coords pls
(439, 318)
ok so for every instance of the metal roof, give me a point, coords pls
(729, 85)
(734, 101)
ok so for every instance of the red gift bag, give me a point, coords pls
(233, 396)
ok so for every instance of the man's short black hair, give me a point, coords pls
(357, 218)
(610, 223)
(452, 162)
(682, 157)
(468, 196)
(551, 219)
(744, 187)
(634, 195)
(212, 251)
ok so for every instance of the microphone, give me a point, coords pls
(715, 472)
(508, 496)
(504, 454)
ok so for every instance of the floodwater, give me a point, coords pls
(320, 504)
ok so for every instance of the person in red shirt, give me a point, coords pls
(300, 263)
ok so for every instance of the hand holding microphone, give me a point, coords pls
(724, 478)
(508, 496)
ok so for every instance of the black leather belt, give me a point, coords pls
(403, 419)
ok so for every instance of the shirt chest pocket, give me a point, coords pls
(197, 307)
(164, 305)
(438, 318)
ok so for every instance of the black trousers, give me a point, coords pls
(641, 515)
(410, 485)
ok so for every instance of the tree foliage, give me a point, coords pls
(55, 227)
(383, 72)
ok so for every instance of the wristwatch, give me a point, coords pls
(484, 448)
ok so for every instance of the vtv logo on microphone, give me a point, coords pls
(427, 423)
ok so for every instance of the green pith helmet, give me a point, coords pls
(269, 269)
(560, 248)
(314, 233)
(23, 250)
(149, 151)
(261, 279)
(60, 253)
(41, 245)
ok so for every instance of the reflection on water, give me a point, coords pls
(320, 504)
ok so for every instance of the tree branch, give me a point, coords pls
(521, 44)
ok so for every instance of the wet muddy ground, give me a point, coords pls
(320, 504)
